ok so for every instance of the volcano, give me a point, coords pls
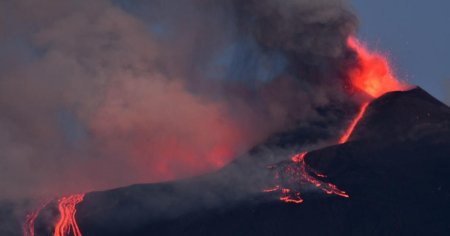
(394, 168)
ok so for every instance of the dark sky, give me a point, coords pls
(416, 34)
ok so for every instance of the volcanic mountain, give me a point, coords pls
(395, 169)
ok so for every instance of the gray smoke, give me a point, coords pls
(101, 94)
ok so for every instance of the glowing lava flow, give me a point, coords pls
(303, 176)
(372, 76)
(326, 187)
(67, 222)
(355, 122)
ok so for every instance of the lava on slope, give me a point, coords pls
(67, 209)
(66, 224)
(355, 122)
(299, 177)
(374, 77)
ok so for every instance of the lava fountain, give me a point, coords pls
(373, 76)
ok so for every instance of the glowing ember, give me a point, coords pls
(28, 227)
(67, 222)
(289, 197)
(373, 74)
(352, 126)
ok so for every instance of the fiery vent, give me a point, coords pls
(373, 74)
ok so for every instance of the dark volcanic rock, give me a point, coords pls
(403, 115)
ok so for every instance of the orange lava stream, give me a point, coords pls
(269, 190)
(67, 222)
(355, 122)
(290, 198)
(326, 187)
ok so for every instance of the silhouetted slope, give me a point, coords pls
(403, 115)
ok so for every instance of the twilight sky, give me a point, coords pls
(415, 34)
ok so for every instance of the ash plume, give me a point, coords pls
(101, 94)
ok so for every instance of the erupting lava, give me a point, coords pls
(372, 76)
(67, 210)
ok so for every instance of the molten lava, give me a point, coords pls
(302, 176)
(269, 190)
(290, 198)
(373, 75)
(67, 222)
(355, 122)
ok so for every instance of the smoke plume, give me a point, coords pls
(101, 94)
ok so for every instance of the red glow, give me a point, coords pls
(290, 198)
(67, 210)
(326, 187)
(299, 157)
(355, 122)
(269, 190)
(373, 75)
(300, 175)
